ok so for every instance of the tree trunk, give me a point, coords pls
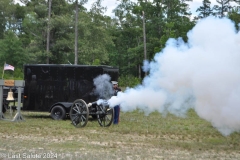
(144, 39)
(139, 71)
(76, 34)
(48, 29)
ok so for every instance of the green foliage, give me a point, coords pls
(128, 81)
(205, 10)
(163, 19)
(169, 32)
(102, 40)
(222, 8)
(11, 50)
(96, 62)
(235, 16)
(17, 74)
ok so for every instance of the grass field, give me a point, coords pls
(136, 137)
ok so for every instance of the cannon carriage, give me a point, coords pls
(80, 112)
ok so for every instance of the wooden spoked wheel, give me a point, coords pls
(79, 113)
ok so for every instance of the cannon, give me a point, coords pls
(80, 112)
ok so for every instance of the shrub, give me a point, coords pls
(129, 81)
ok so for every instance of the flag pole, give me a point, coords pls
(3, 70)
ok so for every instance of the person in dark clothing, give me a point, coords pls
(117, 107)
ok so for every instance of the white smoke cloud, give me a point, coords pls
(145, 66)
(203, 74)
(103, 86)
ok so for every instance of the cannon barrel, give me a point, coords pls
(103, 102)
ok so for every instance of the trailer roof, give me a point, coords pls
(70, 65)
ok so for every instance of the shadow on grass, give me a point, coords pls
(48, 116)
(37, 115)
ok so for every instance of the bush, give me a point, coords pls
(129, 81)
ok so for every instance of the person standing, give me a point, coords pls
(117, 107)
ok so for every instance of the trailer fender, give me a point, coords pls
(65, 105)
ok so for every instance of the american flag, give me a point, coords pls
(8, 67)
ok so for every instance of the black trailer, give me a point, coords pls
(54, 88)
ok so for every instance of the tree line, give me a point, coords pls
(64, 31)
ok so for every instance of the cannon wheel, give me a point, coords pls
(105, 116)
(79, 113)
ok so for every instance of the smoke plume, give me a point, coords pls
(203, 74)
(103, 86)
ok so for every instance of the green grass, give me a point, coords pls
(136, 137)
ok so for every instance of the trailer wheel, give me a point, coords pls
(105, 116)
(79, 113)
(58, 113)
